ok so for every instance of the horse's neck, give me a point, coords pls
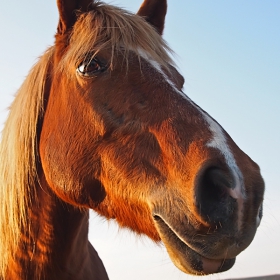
(57, 246)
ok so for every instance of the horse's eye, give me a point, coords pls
(89, 68)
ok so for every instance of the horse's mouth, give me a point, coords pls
(185, 256)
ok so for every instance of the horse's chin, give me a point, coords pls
(188, 259)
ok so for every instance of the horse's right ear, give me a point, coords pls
(67, 13)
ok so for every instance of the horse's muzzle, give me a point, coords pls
(206, 234)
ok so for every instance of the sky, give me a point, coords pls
(229, 53)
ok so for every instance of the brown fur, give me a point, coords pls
(123, 142)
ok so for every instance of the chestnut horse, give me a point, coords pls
(101, 122)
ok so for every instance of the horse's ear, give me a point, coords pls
(67, 12)
(154, 12)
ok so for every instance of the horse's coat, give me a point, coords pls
(102, 122)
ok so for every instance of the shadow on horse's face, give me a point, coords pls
(120, 136)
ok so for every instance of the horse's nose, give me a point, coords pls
(213, 197)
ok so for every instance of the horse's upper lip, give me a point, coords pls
(185, 256)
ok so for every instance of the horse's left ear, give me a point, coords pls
(154, 12)
(67, 13)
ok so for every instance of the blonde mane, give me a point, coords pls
(104, 27)
(19, 155)
(115, 29)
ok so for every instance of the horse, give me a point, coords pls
(101, 122)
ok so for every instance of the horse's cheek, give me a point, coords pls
(71, 175)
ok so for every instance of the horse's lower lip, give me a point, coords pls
(186, 258)
(211, 266)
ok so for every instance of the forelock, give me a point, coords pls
(114, 29)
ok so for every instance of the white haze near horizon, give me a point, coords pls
(229, 54)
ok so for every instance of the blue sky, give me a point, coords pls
(229, 54)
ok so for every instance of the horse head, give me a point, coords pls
(120, 136)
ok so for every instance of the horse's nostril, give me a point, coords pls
(212, 195)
